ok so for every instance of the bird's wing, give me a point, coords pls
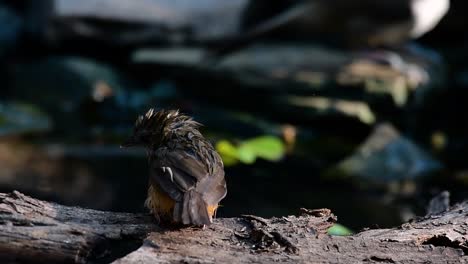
(176, 172)
(210, 184)
(213, 188)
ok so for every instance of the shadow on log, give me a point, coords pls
(41, 232)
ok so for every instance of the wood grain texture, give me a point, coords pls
(303, 239)
(34, 231)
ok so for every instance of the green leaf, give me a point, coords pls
(266, 147)
(246, 154)
(228, 152)
(339, 230)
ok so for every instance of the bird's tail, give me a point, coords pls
(192, 210)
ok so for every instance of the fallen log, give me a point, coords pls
(35, 231)
(434, 239)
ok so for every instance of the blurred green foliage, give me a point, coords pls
(265, 147)
(339, 230)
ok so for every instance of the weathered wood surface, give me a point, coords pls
(40, 232)
(435, 239)
(35, 231)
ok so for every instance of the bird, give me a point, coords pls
(186, 175)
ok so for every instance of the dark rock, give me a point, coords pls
(284, 76)
(388, 156)
(20, 118)
(125, 22)
(74, 91)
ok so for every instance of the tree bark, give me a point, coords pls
(34, 231)
(41, 232)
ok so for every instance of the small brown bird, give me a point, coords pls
(186, 180)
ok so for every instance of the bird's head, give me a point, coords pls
(154, 127)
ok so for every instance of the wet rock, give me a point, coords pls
(378, 80)
(146, 22)
(407, 77)
(322, 106)
(170, 56)
(20, 118)
(363, 23)
(62, 81)
(388, 156)
(284, 77)
(303, 83)
(285, 60)
(77, 92)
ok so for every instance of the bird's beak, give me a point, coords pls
(130, 142)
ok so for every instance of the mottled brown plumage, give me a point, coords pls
(186, 173)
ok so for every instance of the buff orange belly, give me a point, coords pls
(162, 206)
(159, 203)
